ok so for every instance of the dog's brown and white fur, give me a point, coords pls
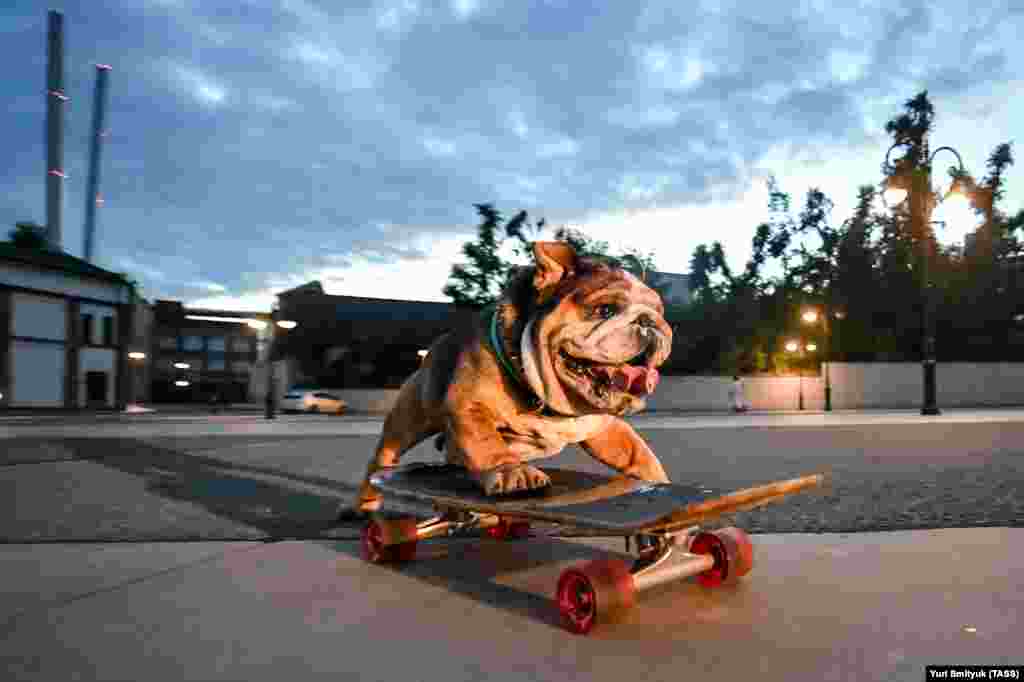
(584, 339)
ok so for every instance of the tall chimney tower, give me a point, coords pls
(55, 101)
(92, 195)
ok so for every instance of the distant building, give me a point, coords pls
(198, 353)
(67, 331)
(363, 342)
(675, 287)
(356, 341)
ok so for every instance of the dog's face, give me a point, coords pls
(598, 337)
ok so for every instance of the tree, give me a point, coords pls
(855, 290)
(28, 236)
(478, 283)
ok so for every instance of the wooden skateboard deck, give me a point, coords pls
(616, 505)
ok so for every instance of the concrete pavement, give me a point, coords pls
(815, 607)
(832, 606)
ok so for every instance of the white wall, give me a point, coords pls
(57, 282)
(39, 317)
(892, 384)
(38, 374)
(854, 386)
(97, 360)
(709, 394)
(372, 400)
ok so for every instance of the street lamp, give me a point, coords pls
(795, 347)
(271, 398)
(810, 316)
(136, 359)
(914, 183)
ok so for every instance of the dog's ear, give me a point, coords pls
(555, 262)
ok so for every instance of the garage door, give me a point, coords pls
(38, 374)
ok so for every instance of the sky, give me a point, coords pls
(256, 145)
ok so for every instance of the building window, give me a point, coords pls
(108, 330)
(86, 329)
(215, 361)
(192, 343)
(215, 344)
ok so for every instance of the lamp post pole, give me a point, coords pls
(270, 399)
(800, 369)
(918, 190)
(827, 325)
(798, 352)
(921, 209)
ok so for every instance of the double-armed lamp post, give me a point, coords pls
(913, 182)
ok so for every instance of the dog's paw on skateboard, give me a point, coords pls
(512, 478)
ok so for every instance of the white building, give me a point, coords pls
(66, 331)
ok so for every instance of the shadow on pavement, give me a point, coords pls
(518, 576)
(273, 501)
(260, 497)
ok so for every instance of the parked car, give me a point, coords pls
(313, 401)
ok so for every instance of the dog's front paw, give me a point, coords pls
(510, 478)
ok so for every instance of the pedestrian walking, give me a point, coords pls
(736, 397)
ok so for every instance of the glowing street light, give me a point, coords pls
(811, 316)
(181, 383)
(287, 324)
(182, 365)
(910, 180)
(796, 347)
(136, 355)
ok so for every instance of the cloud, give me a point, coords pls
(299, 138)
(200, 86)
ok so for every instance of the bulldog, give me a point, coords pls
(572, 346)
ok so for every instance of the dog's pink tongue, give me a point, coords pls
(635, 380)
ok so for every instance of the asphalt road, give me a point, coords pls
(79, 486)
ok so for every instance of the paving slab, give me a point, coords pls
(875, 606)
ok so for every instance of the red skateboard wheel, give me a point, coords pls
(390, 540)
(509, 530)
(600, 591)
(733, 553)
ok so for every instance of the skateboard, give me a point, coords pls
(656, 519)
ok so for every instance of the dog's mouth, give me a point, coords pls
(636, 377)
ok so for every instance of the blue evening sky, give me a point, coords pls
(256, 145)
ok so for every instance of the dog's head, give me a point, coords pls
(593, 335)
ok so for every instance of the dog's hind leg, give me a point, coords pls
(406, 425)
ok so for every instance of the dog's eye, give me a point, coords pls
(606, 311)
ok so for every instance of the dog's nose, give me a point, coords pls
(646, 322)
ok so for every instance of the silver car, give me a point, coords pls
(313, 401)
